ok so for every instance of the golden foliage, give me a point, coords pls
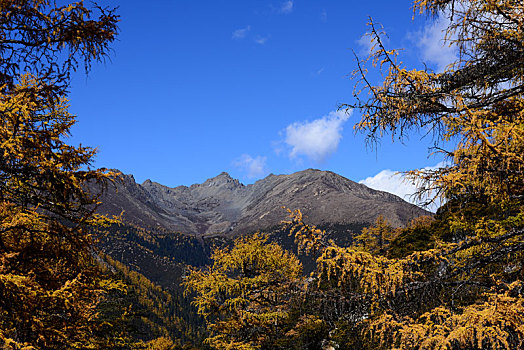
(476, 103)
(309, 238)
(245, 294)
(160, 343)
(376, 238)
(48, 281)
(45, 260)
(370, 274)
(497, 323)
(455, 296)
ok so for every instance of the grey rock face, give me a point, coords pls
(223, 206)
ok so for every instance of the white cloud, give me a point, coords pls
(434, 47)
(365, 45)
(392, 182)
(286, 7)
(261, 39)
(397, 183)
(254, 167)
(241, 33)
(317, 139)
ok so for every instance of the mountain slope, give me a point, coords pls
(223, 206)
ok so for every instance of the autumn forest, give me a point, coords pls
(452, 280)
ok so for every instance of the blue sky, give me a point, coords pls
(194, 88)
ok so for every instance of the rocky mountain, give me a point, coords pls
(224, 206)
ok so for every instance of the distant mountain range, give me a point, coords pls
(222, 206)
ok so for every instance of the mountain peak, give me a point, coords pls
(222, 179)
(224, 175)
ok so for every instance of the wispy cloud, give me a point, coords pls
(253, 167)
(323, 16)
(241, 33)
(286, 7)
(261, 39)
(317, 139)
(397, 183)
(432, 43)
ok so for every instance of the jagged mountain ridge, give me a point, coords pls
(224, 206)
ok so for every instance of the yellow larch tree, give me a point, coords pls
(246, 294)
(376, 238)
(48, 284)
